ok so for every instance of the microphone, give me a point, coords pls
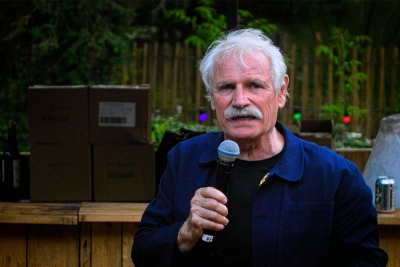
(228, 151)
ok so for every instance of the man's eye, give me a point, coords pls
(256, 87)
(225, 89)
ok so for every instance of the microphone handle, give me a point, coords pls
(223, 174)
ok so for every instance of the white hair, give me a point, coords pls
(240, 43)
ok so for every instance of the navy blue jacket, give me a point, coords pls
(314, 210)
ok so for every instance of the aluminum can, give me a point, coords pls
(385, 193)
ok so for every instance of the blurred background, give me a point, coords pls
(342, 56)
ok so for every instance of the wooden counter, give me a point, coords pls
(68, 234)
(389, 218)
(95, 234)
(111, 212)
(72, 213)
(33, 213)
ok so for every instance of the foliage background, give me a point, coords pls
(51, 42)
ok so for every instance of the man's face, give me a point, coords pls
(236, 87)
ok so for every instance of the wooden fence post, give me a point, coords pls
(186, 85)
(355, 101)
(145, 63)
(292, 83)
(135, 66)
(153, 76)
(393, 83)
(369, 92)
(175, 74)
(306, 84)
(198, 87)
(318, 97)
(330, 82)
(381, 99)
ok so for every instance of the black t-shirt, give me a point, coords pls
(244, 182)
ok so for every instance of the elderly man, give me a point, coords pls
(289, 202)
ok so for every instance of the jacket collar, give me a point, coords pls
(291, 164)
(210, 153)
(289, 167)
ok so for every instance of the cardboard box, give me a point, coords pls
(317, 131)
(60, 172)
(123, 172)
(120, 114)
(58, 114)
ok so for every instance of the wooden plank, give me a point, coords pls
(53, 245)
(175, 75)
(394, 77)
(318, 97)
(381, 98)
(305, 102)
(389, 218)
(369, 93)
(39, 213)
(111, 212)
(106, 244)
(186, 89)
(292, 83)
(165, 89)
(153, 77)
(124, 74)
(85, 245)
(181, 82)
(128, 231)
(199, 92)
(389, 237)
(145, 62)
(330, 82)
(355, 100)
(135, 63)
(12, 245)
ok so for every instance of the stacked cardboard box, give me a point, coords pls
(85, 140)
(123, 154)
(60, 161)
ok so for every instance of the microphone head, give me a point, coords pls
(228, 151)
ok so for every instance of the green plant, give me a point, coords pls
(208, 25)
(345, 139)
(339, 51)
(160, 124)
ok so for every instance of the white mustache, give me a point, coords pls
(249, 111)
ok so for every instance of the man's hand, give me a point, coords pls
(207, 211)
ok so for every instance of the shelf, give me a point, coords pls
(389, 218)
(111, 212)
(39, 213)
(74, 213)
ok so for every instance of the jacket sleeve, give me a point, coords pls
(155, 239)
(355, 237)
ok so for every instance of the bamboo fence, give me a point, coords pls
(172, 72)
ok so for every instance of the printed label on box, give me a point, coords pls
(119, 114)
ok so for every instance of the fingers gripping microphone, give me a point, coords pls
(228, 151)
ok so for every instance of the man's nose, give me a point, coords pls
(240, 98)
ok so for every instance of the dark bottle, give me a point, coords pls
(11, 169)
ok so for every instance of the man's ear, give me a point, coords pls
(212, 103)
(283, 91)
